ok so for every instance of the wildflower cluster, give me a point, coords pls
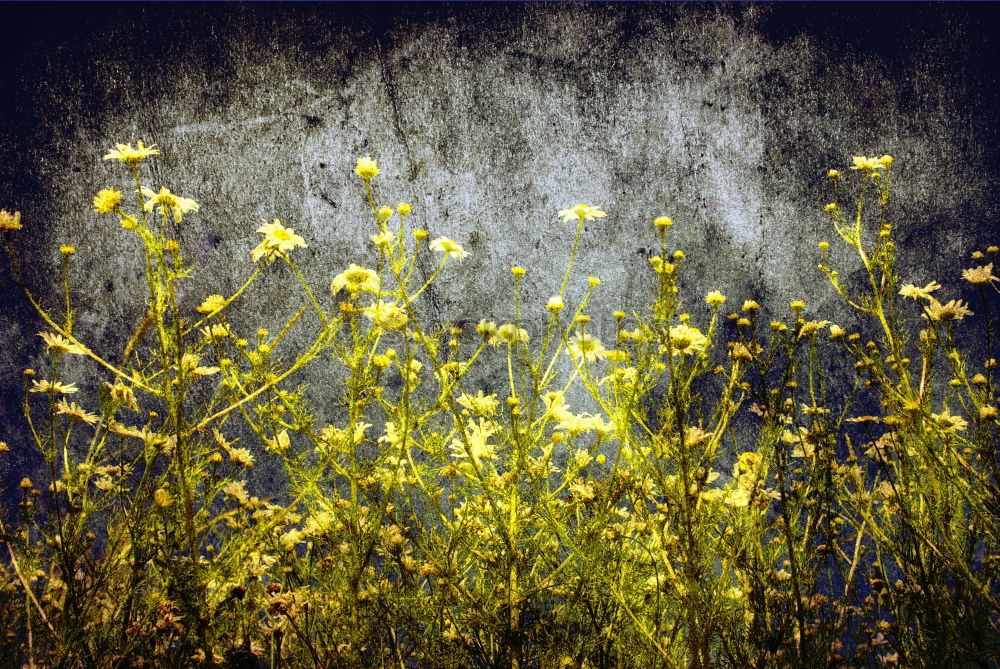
(687, 492)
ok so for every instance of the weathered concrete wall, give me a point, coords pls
(489, 118)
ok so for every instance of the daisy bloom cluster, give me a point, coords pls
(278, 240)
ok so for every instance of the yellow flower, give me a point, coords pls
(67, 249)
(477, 436)
(60, 344)
(663, 222)
(9, 221)
(797, 306)
(212, 303)
(750, 305)
(909, 290)
(278, 240)
(45, 386)
(355, 279)
(386, 316)
(486, 328)
(509, 334)
(384, 213)
(215, 332)
(122, 394)
(163, 499)
(659, 266)
(812, 327)
(404, 209)
(585, 346)
(584, 492)
(582, 212)
(555, 304)
(833, 174)
(953, 310)
(866, 164)
(685, 339)
(107, 201)
(168, 202)
(949, 423)
(238, 491)
(75, 412)
(979, 275)
(384, 240)
(715, 299)
(449, 248)
(367, 168)
(479, 403)
(130, 156)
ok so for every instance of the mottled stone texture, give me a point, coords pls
(489, 118)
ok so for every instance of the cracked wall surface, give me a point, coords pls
(489, 118)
